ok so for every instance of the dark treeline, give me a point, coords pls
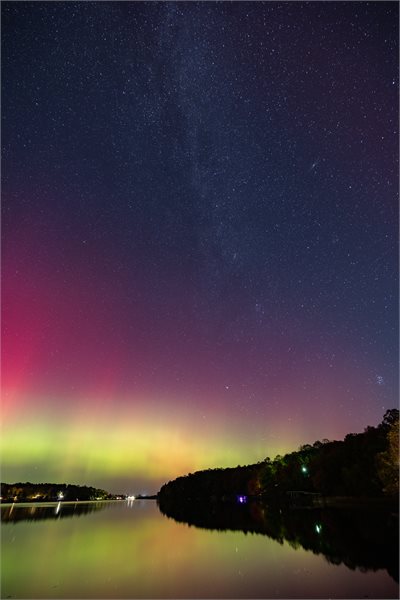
(50, 492)
(363, 465)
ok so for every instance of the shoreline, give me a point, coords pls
(62, 502)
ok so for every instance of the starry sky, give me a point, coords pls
(199, 239)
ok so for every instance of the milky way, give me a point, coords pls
(199, 233)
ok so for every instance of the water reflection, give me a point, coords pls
(130, 550)
(359, 538)
(16, 513)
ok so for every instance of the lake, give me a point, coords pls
(131, 550)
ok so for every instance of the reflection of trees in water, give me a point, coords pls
(358, 538)
(15, 513)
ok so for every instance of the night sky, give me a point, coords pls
(199, 233)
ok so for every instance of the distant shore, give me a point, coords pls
(62, 502)
(69, 502)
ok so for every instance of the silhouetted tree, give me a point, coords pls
(388, 461)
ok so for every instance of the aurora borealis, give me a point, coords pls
(199, 230)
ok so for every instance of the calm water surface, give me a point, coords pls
(131, 550)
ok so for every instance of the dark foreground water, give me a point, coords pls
(131, 550)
